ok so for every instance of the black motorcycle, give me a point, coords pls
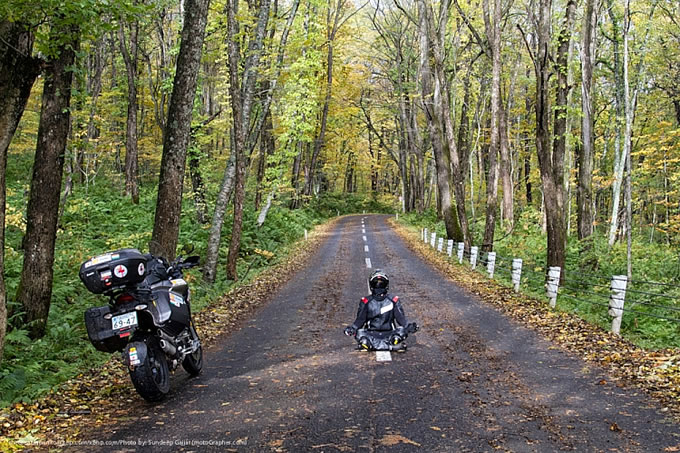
(148, 317)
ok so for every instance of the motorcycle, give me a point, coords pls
(148, 317)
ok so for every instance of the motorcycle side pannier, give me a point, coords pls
(115, 269)
(99, 330)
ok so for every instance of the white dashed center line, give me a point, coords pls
(366, 248)
(368, 263)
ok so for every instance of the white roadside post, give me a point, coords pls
(433, 238)
(449, 247)
(461, 250)
(474, 251)
(425, 235)
(305, 234)
(616, 300)
(397, 216)
(491, 263)
(440, 244)
(516, 273)
(553, 284)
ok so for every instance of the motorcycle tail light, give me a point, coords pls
(124, 298)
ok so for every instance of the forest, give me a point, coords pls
(552, 126)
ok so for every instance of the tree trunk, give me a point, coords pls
(18, 71)
(505, 170)
(319, 142)
(95, 70)
(178, 131)
(212, 252)
(561, 115)
(267, 148)
(458, 177)
(197, 186)
(619, 159)
(585, 161)
(35, 288)
(627, 139)
(241, 101)
(432, 104)
(551, 162)
(131, 153)
(493, 26)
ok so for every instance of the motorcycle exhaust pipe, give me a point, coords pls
(169, 348)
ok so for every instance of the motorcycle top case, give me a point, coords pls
(125, 267)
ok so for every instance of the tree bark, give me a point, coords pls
(505, 170)
(458, 177)
(18, 71)
(178, 131)
(212, 252)
(492, 20)
(432, 104)
(130, 58)
(585, 160)
(242, 91)
(551, 162)
(94, 88)
(560, 120)
(619, 158)
(35, 287)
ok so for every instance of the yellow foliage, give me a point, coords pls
(15, 218)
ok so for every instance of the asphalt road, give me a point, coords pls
(471, 380)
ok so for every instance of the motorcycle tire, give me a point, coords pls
(193, 363)
(152, 377)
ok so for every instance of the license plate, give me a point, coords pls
(124, 321)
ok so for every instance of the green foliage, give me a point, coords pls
(331, 204)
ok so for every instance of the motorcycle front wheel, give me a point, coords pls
(193, 363)
(152, 377)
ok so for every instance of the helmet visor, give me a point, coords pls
(379, 283)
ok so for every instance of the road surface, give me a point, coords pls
(471, 380)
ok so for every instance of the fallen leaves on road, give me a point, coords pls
(390, 440)
(656, 372)
(101, 397)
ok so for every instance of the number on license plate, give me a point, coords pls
(124, 321)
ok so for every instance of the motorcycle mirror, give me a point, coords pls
(194, 259)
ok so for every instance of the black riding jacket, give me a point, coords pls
(379, 313)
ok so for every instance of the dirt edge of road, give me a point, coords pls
(103, 396)
(655, 372)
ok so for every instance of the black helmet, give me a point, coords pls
(379, 283)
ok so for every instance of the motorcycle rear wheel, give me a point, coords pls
(152, 377)
(193, 363)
